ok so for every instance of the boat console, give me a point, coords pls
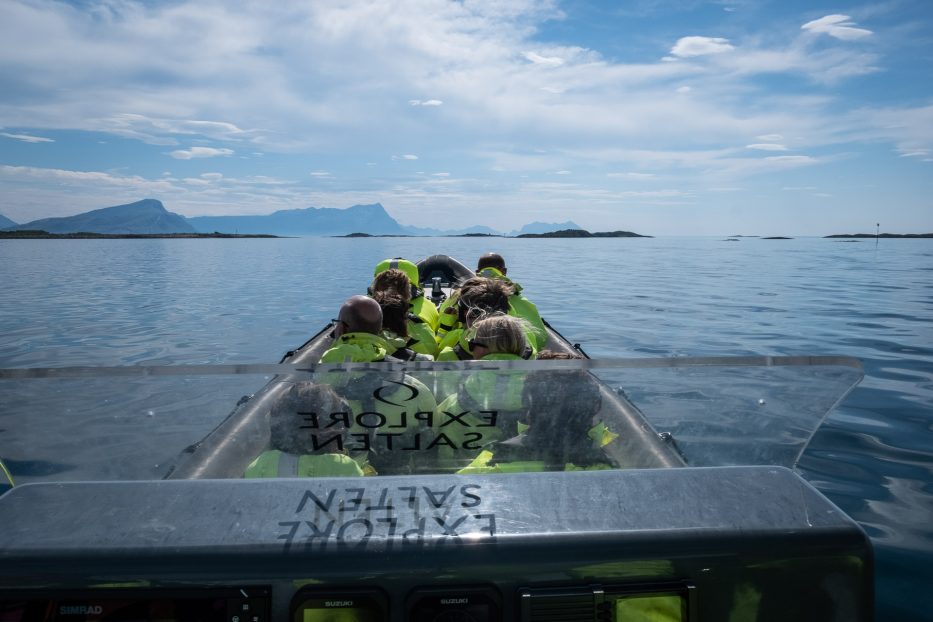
(733, 543)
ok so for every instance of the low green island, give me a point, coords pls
(32, 234)
(564, 233)
(881, 235)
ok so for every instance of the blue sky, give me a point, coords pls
(662, 117)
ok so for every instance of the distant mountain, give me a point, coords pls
(149, 216)
(371, 219)
(546, 227)
(146, 216)
(478, 229)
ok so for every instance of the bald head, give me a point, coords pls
(360, 314)
(491, 260)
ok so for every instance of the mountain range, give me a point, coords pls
(150, 216)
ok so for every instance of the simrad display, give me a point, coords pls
(233, 604)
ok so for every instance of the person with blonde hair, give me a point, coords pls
(499, 337)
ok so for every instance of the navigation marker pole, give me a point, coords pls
(877, 232)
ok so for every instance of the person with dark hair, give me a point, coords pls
(492, 266)
(491, 260)
(297, 450)
(357, 333)
(410, 336)
(477, 298)
(419, 304)
(557, 433)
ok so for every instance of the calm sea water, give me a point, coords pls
(127, 302)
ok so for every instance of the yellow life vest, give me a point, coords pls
(356, 348)
(275, 463)
(483, 464)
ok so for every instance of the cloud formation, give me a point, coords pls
(838, 26)
(26, 138)
(200, 152)
(503, 96)
(691, 47)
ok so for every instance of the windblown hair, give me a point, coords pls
(392, 290)
(480, 296)
(293, 411)
(394, 311)
(501, 334)
(392, 281)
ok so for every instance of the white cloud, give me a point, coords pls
(684, 89)
(770, 138)
(544, 61)
(427, 103)
(689, 47)
(632, 175)
(838, 26)
(200, 152)
(767, 147)
(320, 174)
(407, 156)
(26, 138)
(792, 160)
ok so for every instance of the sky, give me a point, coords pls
(753, 117)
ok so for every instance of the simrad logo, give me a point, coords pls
(79, 610)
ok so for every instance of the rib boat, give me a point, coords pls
(620, 489)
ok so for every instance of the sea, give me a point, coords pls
(223, 301)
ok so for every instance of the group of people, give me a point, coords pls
(483, 421)
(396, 321)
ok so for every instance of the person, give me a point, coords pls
(498, 337)
(297, 452)
(556, 434)
(411, 336)
(492, 266)
(384, 405)
(357, 331)
(477, 297)
(420, 305)
(489, 402)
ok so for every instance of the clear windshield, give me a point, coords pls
(136, 423)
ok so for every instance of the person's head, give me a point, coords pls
(359, 314)
(480, 296)
(290, 416)
(410, 269)
(392, 281)
(498, 334)
(491, 260)
(394, 310)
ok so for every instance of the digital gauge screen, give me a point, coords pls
(339, 606)
(234, 604)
